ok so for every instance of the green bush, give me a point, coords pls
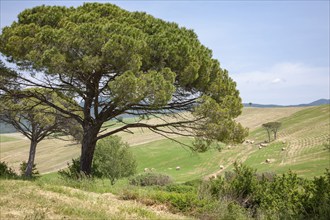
(112, 159)
(317, 202)
(22, 168)
(6, 171)
(150, 179)
(73, 170)
(179, 188)
(268, 195)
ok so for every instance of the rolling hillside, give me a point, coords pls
(304, 131)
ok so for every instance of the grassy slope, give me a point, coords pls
(52, 154)
(304, 134)
(39, 200)
(304, 130)
(5, 138)
(165, 155)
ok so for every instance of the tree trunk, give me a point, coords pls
(32, 153)
(268, 132)
(275, 135)
(87, 148)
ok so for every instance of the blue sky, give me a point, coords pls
(276, 51)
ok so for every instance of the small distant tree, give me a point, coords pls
(267, 128)
(272, 127)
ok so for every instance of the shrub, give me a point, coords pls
(73, 170)
(268, 195)
(179, 188)
(150, 179)
(5, 171)
(317, 202)
(22, 168)
(112, 159)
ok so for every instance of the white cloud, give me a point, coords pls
(278, 80)
(284, 83)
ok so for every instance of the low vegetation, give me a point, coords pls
(112, 160)
(6, 171)
(240, 194)
(34, 170)
(151, 179)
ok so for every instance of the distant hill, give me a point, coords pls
(6, 128)
(315, 103)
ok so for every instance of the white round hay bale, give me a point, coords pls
(221, 167)
(178, 168)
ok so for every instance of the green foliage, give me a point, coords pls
(72, 171)
(112, 160)
(6, 171)
(285, 196)
(272, 127)
(218, 124)
(180, 188)
(142, 64)
(7, 76)
(150, 179)
(22, 168)
(317, 201)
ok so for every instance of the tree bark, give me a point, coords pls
(32, 153)
(87, 148)
(268, 132)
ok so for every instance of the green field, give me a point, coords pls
(165, 155)
(4, 138)
(303, 133)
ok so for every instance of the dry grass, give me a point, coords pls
(52, 154)
(255, 117)
(29, 200)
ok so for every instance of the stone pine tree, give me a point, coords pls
(268, 130)
(7, 76)
(275, 126)
(119, 62)
(272, 127)
(33, 119)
